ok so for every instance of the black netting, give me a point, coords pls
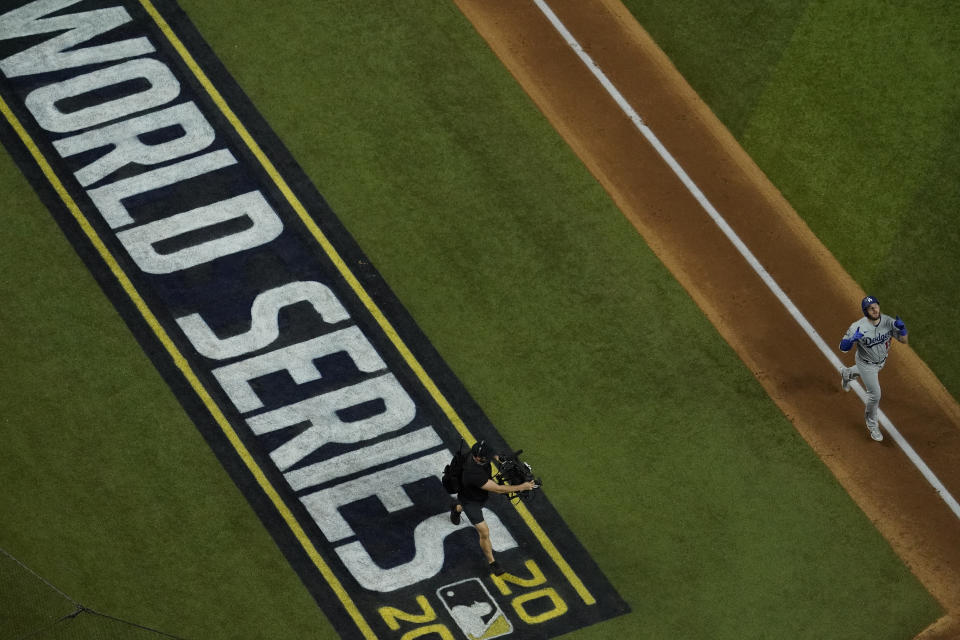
(33, 609)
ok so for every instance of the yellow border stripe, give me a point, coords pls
(361, 293)
(187, 371)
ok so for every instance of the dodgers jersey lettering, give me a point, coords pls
(874, 346)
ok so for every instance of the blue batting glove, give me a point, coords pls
(846, 343)
(902, 328)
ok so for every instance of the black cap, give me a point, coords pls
(481, 449)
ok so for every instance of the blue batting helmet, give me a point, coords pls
(866, 302)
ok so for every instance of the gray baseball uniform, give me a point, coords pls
(872, 350)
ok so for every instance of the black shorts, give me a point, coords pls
(474, 511)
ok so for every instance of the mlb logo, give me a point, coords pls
(474, 610)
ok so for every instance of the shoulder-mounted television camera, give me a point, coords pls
(512, 470)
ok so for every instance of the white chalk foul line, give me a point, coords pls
(743, 249)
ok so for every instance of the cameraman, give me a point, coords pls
(476, 485)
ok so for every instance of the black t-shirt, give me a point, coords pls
(474, 476)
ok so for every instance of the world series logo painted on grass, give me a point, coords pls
(330, 410)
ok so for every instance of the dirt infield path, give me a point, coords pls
(882, 480)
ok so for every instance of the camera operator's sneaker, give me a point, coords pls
(875, 433)
(844, 381)
(496, 569)
(454, 514)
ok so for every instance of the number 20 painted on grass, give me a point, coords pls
(489, 621)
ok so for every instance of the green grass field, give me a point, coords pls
(693, 493)
(851, 110)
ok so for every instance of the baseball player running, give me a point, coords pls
(873, 335)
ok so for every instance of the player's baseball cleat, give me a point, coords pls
(875, 433)
(496, 569)
(844, 381)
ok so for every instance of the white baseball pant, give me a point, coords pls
(869, 375)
